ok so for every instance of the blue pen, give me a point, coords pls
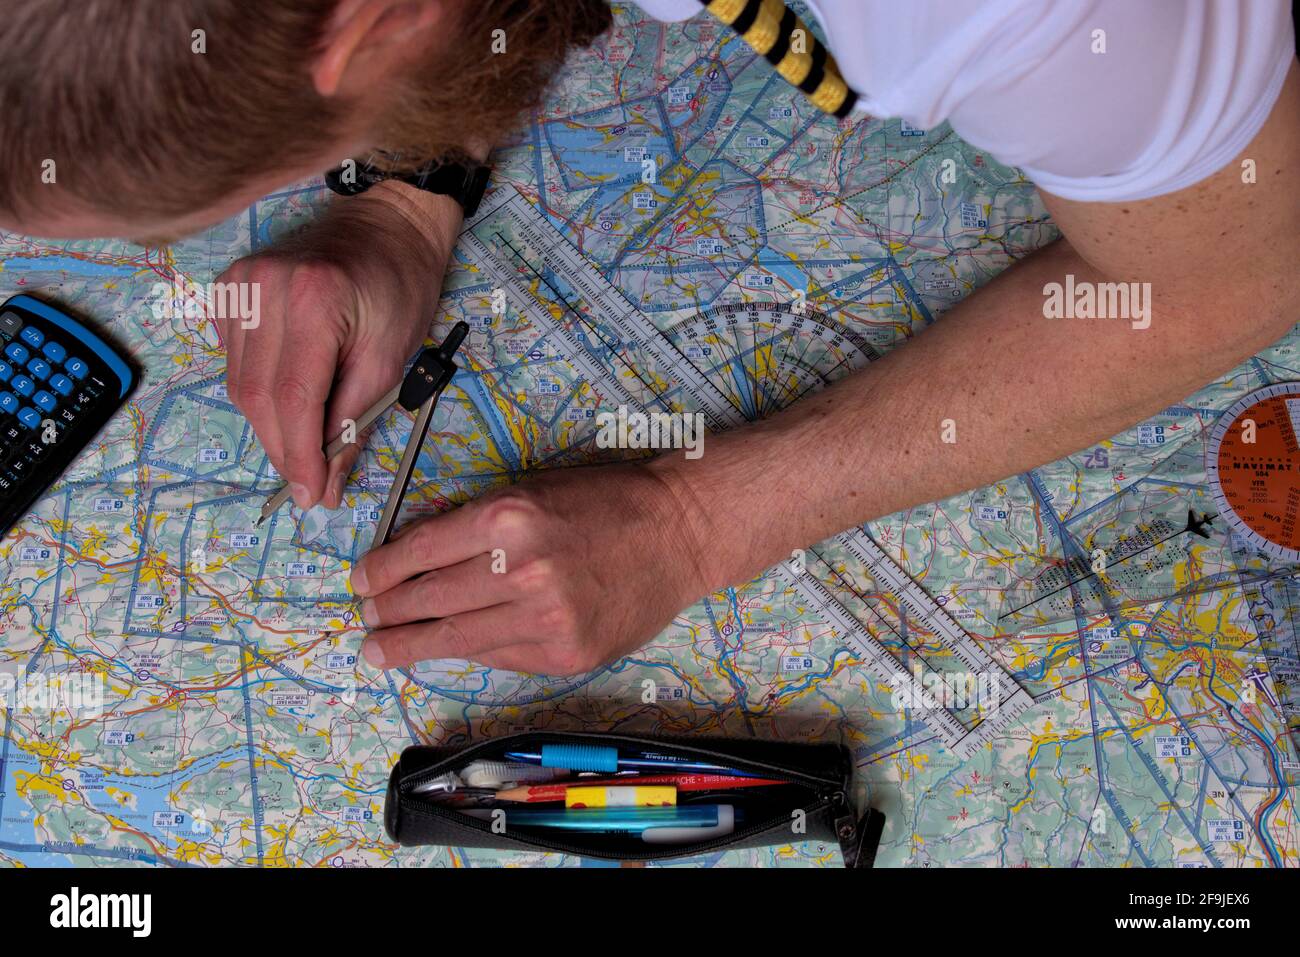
(597, 757)
(655, 825)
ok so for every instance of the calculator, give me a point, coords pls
(59, 384)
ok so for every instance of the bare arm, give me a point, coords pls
(600, 559)
(1022, 389)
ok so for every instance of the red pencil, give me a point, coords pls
(538, 793)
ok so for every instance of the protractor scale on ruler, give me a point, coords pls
(764, 356)
(1253, 465)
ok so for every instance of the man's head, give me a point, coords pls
(149, 117)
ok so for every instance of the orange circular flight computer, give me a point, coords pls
(1253, 464)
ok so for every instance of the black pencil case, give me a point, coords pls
(813, 807)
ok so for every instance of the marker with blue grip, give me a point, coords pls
(579, 757)
(605, 759)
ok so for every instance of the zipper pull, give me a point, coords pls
(846, 820)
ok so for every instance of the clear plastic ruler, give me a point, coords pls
(525, 253)
(605, 337)
(962, 735)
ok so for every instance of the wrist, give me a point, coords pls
(435, 219)
(691, 540)
(393, 249)
(704, 501)
(759, 469)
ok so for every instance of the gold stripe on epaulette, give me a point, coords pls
(830, 94)
(727, 10)
(760, 21)
(762, 36)
(795, 66)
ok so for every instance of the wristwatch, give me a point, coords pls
(463, 183)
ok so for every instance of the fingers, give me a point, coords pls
(432, 543)
(361, 383)
(251, 360)
(460, 636)
(255, 398)
(280, 372)
(340, 467)
(300, 390)
(438, 594)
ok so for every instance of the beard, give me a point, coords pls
(479, 90)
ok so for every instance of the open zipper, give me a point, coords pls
(828, 795)
(585, 850)
(522, 741)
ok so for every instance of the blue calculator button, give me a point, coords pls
(30, 418)
(32, 336)
(23, 385)
(17, 354)
(61, 384)
(76, 368)
(54, 352)
(6, 371)
(44, 401)
(8, 403)
(39, 368)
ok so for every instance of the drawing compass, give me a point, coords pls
(417, 393)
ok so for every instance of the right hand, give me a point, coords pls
(343, 305)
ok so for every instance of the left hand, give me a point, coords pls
(557, 575)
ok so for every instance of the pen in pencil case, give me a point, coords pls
(654, 825)
(594, 757)
(539, 793)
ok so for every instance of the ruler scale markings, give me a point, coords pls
(594, 372)
(608, 303)
(609, 306)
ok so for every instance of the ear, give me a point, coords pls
(366, 35)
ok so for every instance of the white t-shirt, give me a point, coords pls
(1181, 89)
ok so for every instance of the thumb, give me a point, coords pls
(361, 384)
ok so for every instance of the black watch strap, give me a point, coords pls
(463, 183)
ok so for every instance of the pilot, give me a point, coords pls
(1163, 138)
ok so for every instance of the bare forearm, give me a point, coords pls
(1014, 388)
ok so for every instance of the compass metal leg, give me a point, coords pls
(419, 431)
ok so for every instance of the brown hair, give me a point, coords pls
(140, 124)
